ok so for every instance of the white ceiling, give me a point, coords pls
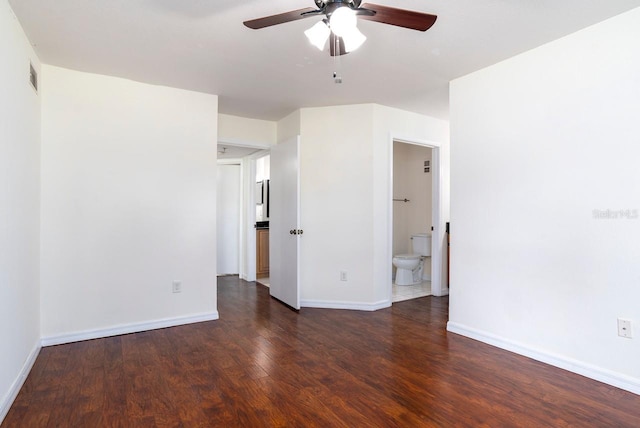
(202, 45)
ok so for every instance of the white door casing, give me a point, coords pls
(438, 241)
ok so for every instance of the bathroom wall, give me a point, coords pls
(412, 183)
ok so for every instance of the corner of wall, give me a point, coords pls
(289, 126)
(20, 105)
(14, 389)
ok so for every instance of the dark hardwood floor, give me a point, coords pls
(262, 364)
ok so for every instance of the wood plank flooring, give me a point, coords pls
(263, 365)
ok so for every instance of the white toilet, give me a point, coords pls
(409, 266)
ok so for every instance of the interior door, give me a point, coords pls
(284, 223)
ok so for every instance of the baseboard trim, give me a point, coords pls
(17, 384)
(128, 328)
(443, 292)
(618, 380)
(354, 306)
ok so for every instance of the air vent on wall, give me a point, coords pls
(33, 77)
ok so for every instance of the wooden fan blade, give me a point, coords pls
(399, 17)
(336, 45)
(281, 18)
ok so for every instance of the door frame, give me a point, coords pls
(438, 241)
(248, 254)
(248, 202)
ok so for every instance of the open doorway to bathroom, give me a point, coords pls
(412, 220)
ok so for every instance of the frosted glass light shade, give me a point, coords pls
(342, 21)
(318, 35)
(353, 39)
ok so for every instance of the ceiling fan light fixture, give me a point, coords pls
(318, 35)
(340, 21)
(343, 20)
(353, 40)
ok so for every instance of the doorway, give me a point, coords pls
(433, 222)
(262, 208)
(243, 186)
(412, 220)
(259, 193)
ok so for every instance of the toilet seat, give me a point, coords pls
(408, 256)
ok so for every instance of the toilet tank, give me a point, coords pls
(421, 244)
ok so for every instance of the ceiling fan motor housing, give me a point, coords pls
(328, 7)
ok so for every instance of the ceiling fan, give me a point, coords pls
(339, 24)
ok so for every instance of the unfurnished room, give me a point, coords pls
(319, 213)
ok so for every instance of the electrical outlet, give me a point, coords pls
(343, 275)
(177, 287)
(624, 328)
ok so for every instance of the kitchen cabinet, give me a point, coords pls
(262, 253)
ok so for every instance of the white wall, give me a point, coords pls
(128, 204)
(539, 142)
(263, 168)
(346, 200)
(228, 218)
(336, 204)
(263, 172)
(19, 209)
(243, 131)
(288, 127)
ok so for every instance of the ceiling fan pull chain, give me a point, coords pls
(337, 78)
